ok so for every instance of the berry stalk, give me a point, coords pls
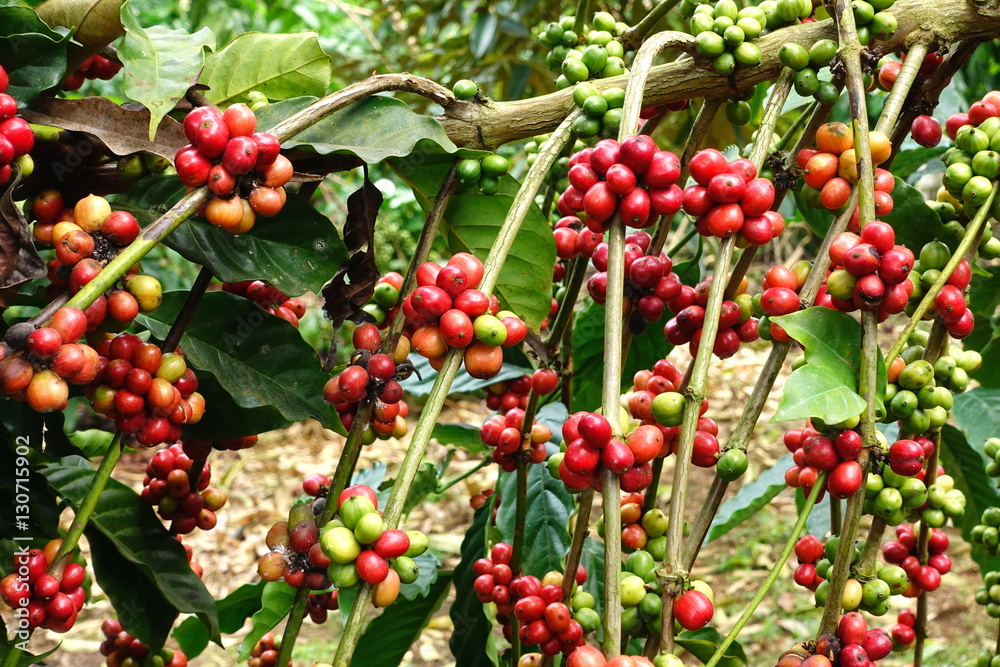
(772, 576)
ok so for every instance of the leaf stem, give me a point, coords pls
(465, 475)
(772, 576)
(187, 311)
(633, 36)
(576, 271)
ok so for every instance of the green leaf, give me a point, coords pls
(549, 507)
(17, 477)
(964, 460)
(389, 636)
(907, 163)
(553, 415)
(460, 435)
(703, 643)
(143, 610)
(159, 64)
(259, 360)
(977, 413)
(915, 222)
(825, 387)
(750, 499)
(373, 129)
(26, 659)
(233, 610)
(819, 220)
(92, 442)
(296, 251)
(472, 628)
(33, 55)
(280, 66)
(276, 601)
(588, 355)
(483, 34)
(471, 224)
(592, 559)
(427, 564)
(133, 529)
(420, 385)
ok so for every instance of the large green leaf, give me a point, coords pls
(915, 222)
(280, 66)
(545, 523)
(159, 64)
(131, 527)
(143, 610)
(469, 640)
(33, 55)
(826, 386)
(703, 643)
(465, 436)
(389, 636)
(373, 129)
(750, 499)
(964, 459)
(588, 355)
(471, 224)
(296, 251)
(977, 413)
(233, 610)
(276, 602)
(906, 163)
(260, 360)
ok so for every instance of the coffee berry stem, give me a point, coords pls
(522, 203)
(923, 539)
(901, 88)
(972, 235)
(772, 576)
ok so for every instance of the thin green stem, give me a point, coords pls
(634, 35)
(465, 475)
(520, 515)
(972, 235)
(580, 531)
(762, 592)
(187, 310)
(836, 513)
(797, 125)
(576, 272)
(89, 502)
(582, 12)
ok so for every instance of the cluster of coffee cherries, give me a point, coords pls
(86, 237)
(590, 446)
(482, 174)
(780, 296)
(816, 562)
(39, 598)
(902, 551)
(870, 271)
(642, 599)
(139, 165)
(725, 33)
(37, 365)
(545, 620)
(853, 644)
(807, 63)
(736, 324)
(602, 110)
(813, 452)
(949, 303)
(728, 198)
(891, 495)
(904, 632)
(265, 652)
(987, 533)
(644, 531)
(654, 400)
(830, 169)
(186, 503)
(124, 650)
(372, 373)
(509, 394)
(992, 451)
(295, 553)
(16, 137)
(503, 434)
(650, 283)
(914, 398)
(382, 306)
(319, 605)
(148, 393)
(234, 161)
(94, 67)
(596, 54)
(360, 548)
(447, 312)
(888, 70)
(269, 298)
(632, 179)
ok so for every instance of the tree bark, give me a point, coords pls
(489, 124)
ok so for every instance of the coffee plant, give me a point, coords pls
(172, 231)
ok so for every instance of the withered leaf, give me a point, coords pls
(19, 262)
(124, 130)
